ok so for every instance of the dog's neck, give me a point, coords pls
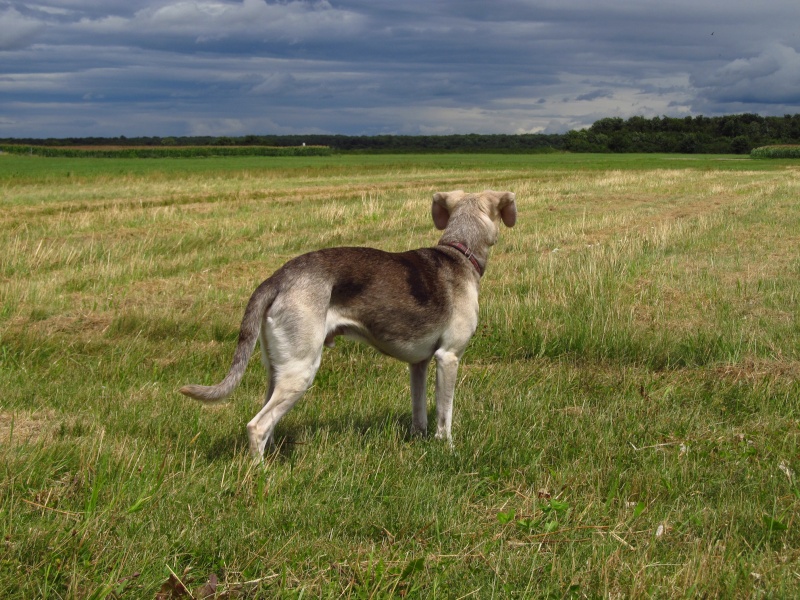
(466, 252)
(470, 237)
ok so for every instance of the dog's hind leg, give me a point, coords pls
(419, 407)
(288, 384)
(264, 343)
(261, 428)
(294, 355)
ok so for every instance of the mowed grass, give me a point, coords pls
(626, 416)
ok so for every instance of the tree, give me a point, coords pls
(741, 145)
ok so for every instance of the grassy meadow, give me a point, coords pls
(626, 419)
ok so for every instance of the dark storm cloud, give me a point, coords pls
(771, 77)
(179, 67)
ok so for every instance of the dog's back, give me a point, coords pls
(397, 302)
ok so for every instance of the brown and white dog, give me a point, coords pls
(414, 306)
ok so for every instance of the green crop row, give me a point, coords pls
(782, 151)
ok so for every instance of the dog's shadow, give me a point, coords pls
(291, 434)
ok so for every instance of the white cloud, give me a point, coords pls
(17, 30)
(209, 21)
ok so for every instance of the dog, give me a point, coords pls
(413, 306)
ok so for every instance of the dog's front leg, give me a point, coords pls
(446, 373)
(419, 404)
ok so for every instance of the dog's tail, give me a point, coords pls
(254, 314)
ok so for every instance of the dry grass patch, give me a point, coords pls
(27, 426)
(38, 427)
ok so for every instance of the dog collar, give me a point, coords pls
(468, 253)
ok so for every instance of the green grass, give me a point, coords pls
(626, 420)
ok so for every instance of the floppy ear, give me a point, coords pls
(443, 203)
(507, 208)
(439, 211)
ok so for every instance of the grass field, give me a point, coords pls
(626, 419)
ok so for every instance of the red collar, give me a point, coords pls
(468, 253)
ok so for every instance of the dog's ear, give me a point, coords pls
(443, 203)
(507, 208)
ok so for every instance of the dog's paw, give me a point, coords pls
(445, 437)
(419, 431)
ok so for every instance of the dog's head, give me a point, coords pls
(488, 206)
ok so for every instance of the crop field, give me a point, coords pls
(626, 422)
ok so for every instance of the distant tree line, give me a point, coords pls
(733, 134)
(341, 143)
(117, 151)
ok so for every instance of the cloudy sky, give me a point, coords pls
(365, 67)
